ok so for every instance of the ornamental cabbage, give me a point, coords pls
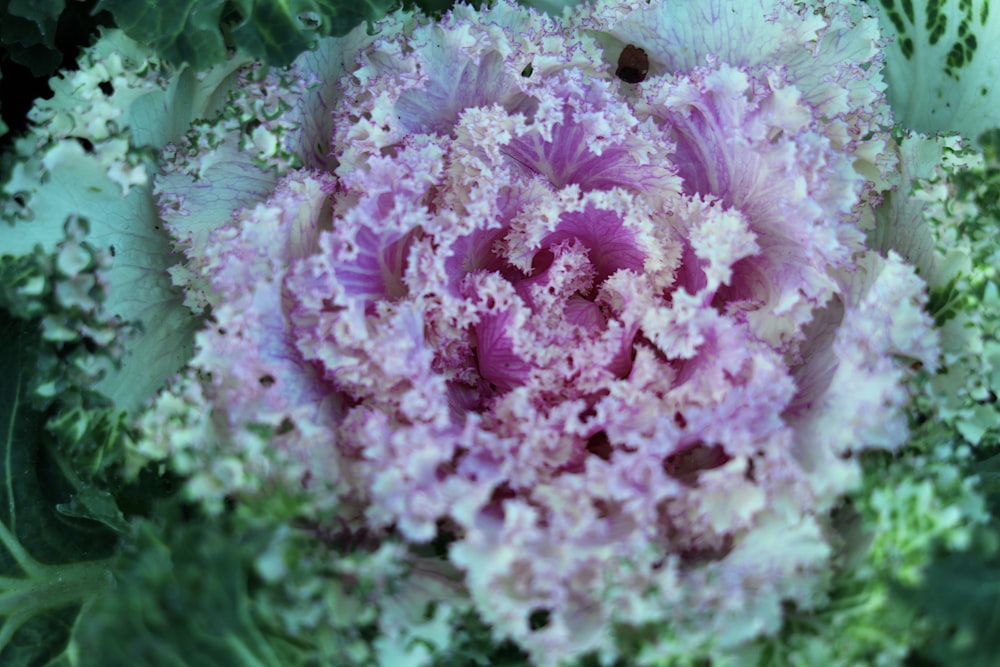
(636, 333)
(607, 335)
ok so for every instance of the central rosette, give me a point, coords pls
(559, 318)
(608, 345)
(543, 335)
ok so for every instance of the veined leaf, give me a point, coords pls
(943, 64)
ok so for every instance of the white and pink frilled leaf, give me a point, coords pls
(271, 408)
(829, 51)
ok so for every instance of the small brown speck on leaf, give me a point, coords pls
(633, 65)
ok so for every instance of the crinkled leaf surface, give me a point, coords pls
(140, 288)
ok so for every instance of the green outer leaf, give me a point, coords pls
(198, 32)
(943, 64)
(279, 30)
(181, 30)
(140, 289)
(28, 31)
(57, 177)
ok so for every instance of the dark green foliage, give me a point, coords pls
(49, 563)
(28, 33)
(184, 31)
(182, 600)
(34, 474)
(961, 596)
(78, 575)
(199, 32)
(37, 37)
(474, 646)
(277, 31)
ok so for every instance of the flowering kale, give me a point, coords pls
(594, 334)
(611, 341)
